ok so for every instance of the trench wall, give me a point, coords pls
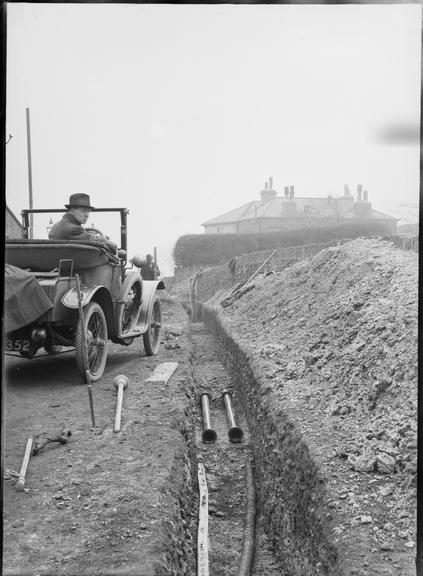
(175, 553)
(290, 488)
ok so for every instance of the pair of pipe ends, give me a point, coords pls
(235, 433)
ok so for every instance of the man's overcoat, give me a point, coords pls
(68, 228)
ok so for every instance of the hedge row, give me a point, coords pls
(213, 249)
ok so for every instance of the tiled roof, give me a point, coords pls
(381, 216)
(281, 207)
(234, 215)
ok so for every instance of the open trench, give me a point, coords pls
(226, 465)
(290, 534)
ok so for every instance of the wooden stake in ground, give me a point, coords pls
(120, 382)
(203, 525)
(20, 484)
(90, 396)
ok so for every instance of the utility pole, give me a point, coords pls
(28, 142)
(155, 262)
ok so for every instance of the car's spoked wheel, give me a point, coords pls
(152, 335)
(94, 331)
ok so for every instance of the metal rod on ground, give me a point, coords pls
(120, 382)
(85, 352)
(20, 484)
(203, 525)
(209, 435)
(237, 292)
(255, 273)
(235, 433)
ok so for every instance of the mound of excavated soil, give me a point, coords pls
(335, 337)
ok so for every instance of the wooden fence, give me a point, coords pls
(241, 267)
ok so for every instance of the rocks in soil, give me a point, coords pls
(171, 345)
(385, 464)
(365, 462)
(170, 337)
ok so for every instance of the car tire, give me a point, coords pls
(152, 335)
(92, 331)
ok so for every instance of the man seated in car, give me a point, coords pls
(70, 226)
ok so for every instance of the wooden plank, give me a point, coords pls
(203, 525)
(163, 372)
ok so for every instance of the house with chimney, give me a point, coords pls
(273, 213)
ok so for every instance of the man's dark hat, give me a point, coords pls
(79, 201)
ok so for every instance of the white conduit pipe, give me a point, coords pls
(203, 522)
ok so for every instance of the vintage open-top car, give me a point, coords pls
(92, 297)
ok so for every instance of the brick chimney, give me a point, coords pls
(268, 193)
(362, 206)
(289, 205)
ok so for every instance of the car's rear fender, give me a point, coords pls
(98, 294)
(131, 279)
(149, 288)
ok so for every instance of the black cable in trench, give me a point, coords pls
(247, 556)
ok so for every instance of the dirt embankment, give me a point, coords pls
(327, 354)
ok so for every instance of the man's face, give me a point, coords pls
(80, 214)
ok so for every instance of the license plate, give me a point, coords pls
(17, 345)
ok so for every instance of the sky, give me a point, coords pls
(180, 113)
